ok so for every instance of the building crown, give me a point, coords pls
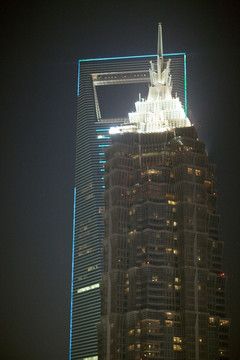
(160, 111)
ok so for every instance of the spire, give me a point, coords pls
(159, 50)
(160, 42)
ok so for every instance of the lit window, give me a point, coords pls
(190, 170)
(224, 322)
(171, 202)
(177, 339)
(198, 172)
(175, 251)
(154, 278)
(168, 250)
(211, 320)
(177, 287)
(177, 347)
(88, 288)
(208, 183)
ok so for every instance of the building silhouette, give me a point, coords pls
(162, 288)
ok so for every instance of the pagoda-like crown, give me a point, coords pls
(160, 111)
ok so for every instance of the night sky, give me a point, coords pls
(41, 42)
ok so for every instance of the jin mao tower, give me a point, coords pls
(163, 288)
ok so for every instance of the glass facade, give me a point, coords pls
(100, 82)
(163, 289)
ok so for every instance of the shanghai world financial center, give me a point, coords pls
(147, 280)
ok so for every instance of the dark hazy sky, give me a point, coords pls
(41, 42)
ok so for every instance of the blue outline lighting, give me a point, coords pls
(102, 161)
(128, 57)
(78, 83)
(102, 129)
(100, 153)
(103, 137)
(137, 57)
(74, 211)
(185, 82)
(102, 169)
(103, 145)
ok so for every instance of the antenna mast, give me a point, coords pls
(160, 49)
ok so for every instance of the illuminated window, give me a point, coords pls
(168, 323)
(171, 202)
(154, 278)
(175, 251)
(174, 223)
(177, 339)
(198, 172)
(94, 267)
(211, 320)
(177, 347)
(168, 250)
(208, 183)
(190, 170)
(224, 322)
(88, 288)
(177, 287)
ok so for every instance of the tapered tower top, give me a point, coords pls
(160, 111)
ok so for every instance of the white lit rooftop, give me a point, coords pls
(161, 111)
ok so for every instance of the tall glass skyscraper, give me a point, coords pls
(101, 84)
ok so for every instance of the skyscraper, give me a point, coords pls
(100, 81)
(163, 288)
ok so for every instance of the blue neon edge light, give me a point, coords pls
(74, 211)
(138, 57)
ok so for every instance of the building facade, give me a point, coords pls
(163, 288)
(97, 78)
